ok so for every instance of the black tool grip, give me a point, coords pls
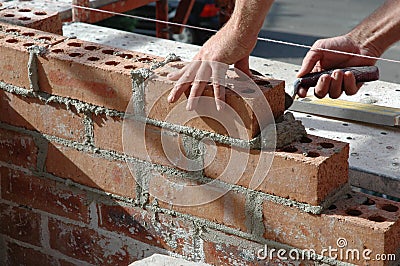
(362, 74)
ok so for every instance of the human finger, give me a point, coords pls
(218, 80)
(309, 61)
(200, 82)
(184, 78)
(322, 87)
(302, 92)
(335, 89)
(349, 82)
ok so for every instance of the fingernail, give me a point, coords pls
(189, 107)
(170, 98)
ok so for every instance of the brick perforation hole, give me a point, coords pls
(129, 67)
(40, 13)
(57, 51)
(110, 52)
(11, 40)
(28, 44)
(312, 154)
(126, 56)
(369, 202)
(28, 34)
(74, 44)
(354, 212)
(91, 48)
(327, 145)
(75, 54)
(111, 63)
(9, 15)
(24, 10)
(390, 208)
(44, 38)
(93, 58)
(24, 18)
(13, 30)
(305, 140)
(290, 149)
(144, 59)
(377, 218)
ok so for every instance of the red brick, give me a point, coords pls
(33, 114)
(18, 255)
(204, 201)
(244, 108)
(92, 73)
(287, 173)
(43, 194)
(20, 224)
(36, 19)
(159, 230)
(17, 148)
(222, 249)
(14, 41)
(87, 244)
(143, 143)
(90, 170)
(365, 224)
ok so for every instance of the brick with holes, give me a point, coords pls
(355, 223)
(31, 18)
(14, 44)
(93, 73)
(307, 171)
(250, 105)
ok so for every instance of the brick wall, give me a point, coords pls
(80, 186)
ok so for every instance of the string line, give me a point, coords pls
(214, 31)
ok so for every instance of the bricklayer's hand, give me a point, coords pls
(210, 65)
(317, 60)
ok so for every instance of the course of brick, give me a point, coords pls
(72, 193)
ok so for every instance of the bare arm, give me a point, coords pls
(379, 30)
(371, 37)
(232, 44)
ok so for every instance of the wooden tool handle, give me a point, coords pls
(362, 74)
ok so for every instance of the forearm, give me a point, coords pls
(247, 18)
(380, 30)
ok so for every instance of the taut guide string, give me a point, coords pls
(214, 31)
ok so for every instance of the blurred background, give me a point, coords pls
(301, 22)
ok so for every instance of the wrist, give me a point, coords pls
(367, 43)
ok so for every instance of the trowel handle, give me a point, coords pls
(362, 74)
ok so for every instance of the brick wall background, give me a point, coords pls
(71, 195)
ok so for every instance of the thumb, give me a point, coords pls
(243, 65)
(309, 61)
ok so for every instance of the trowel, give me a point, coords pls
(361, 73)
